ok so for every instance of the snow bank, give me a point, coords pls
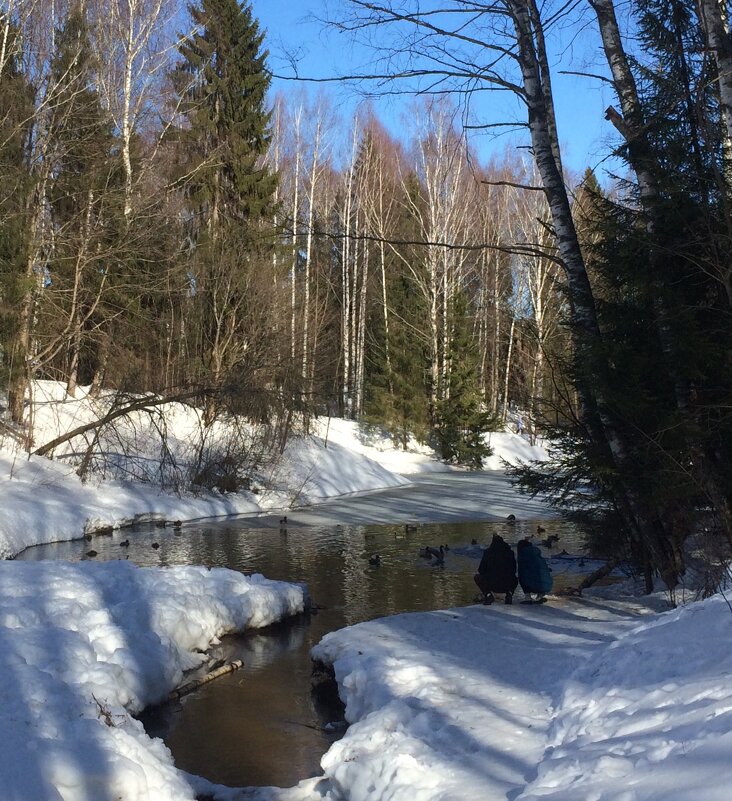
(512, 448)
(490, 703)
(45, 501)
(648, 718)
(373, 443)
(455, 704)
(82, 646)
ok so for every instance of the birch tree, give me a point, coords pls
(134, 50)
(508, 51)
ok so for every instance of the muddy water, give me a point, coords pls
(262, 725)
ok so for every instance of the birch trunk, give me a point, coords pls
(507, 367)
(718, 43)
(361, 332)
(585, 332)
(295, 215)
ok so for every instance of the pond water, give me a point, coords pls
(262, 725)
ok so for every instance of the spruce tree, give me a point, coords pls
(84, 198)
(652, 256)
(222, 82)
(462, 417)
(16, 115)
(220, 143)
(397, 392)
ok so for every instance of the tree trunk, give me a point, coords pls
(585, 329)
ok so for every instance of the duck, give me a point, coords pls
(91, 553)
(540, 529)
(433, 553)
(155, 545)
(124, 544)
(283, 521)
(375, 559)
(473, 541)
(438, 555)
(511, 519)
(177, 524)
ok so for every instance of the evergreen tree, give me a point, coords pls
(663, 315)
(397, 398)
(16, 115)
(84, 199)
(222, 82)
(396, 391)
(229, 190)
(462, 418)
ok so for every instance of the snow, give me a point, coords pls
(334, 461)
(339, 458)
(582, 699)
(84, 646)
(577, 700)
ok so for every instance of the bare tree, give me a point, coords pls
(131, 39)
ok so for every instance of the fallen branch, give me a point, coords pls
(191, 686)
(601, 572)
(595, 576)
(146, 404)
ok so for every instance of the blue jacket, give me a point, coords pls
(534, 574)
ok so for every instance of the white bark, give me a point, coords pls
(133, 59)
(295, 218)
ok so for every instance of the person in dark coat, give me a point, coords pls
(534, 574)
(497, 571)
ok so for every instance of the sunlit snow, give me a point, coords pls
(586, 699)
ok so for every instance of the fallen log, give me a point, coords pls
(191, 686)
(593, 577)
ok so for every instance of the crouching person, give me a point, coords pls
(497, 571)
(534, 574)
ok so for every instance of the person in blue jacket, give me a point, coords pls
(534, 574)
(497, 571)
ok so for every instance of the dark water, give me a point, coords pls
(262, 725)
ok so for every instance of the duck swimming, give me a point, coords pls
(438, 554)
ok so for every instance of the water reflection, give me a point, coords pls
(261, 725)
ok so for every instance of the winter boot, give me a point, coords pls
(509, 598)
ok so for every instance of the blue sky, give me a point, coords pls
(321, 52)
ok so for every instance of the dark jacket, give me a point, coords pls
(498, 566)
(534, 573)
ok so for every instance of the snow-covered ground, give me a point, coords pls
(45, 501)
(578, 700)
(590, 699)
(84, 646)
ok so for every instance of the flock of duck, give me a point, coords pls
(436, 555)
(177, 526)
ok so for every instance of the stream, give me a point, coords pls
(263, 725)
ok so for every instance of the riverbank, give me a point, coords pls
(44, 500)
(578, 700)
(85, 646)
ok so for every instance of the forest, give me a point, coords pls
(171, 229)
